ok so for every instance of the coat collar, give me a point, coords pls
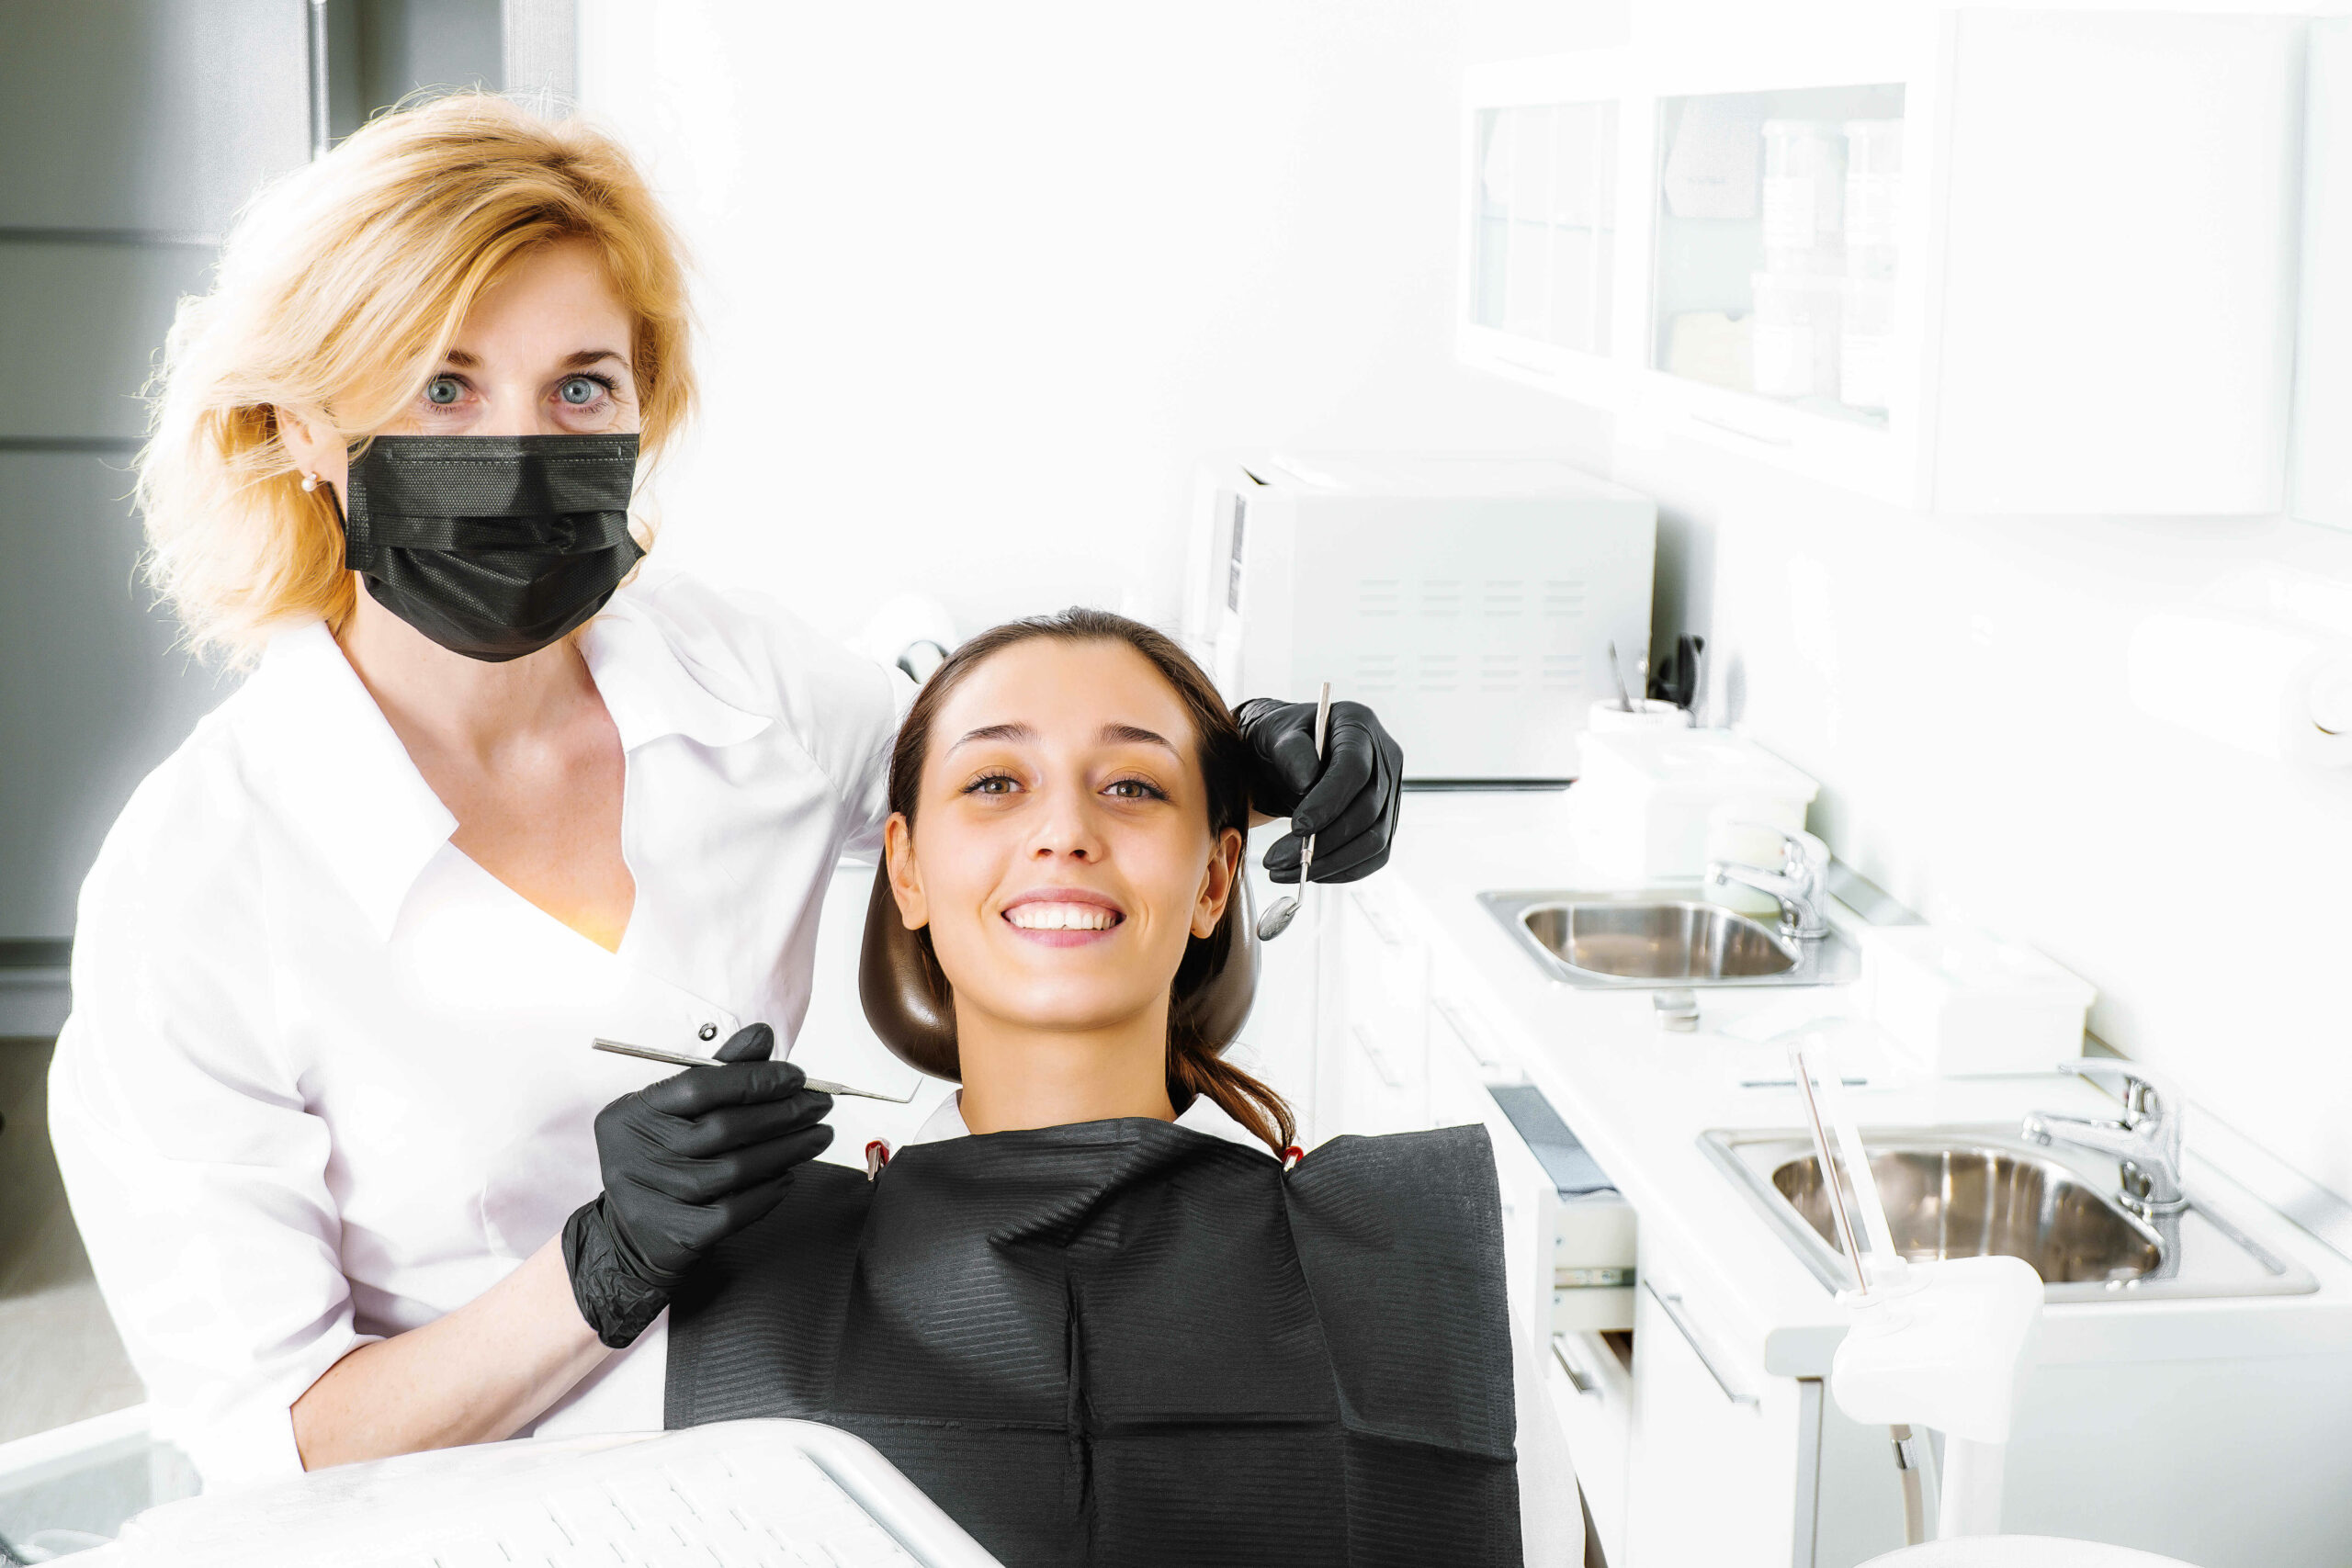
(649, 690)
(340, 774)
(343, 777)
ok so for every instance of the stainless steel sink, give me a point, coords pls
(1967, 1191)
(1664, 937)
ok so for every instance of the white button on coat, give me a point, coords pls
(326, 1079)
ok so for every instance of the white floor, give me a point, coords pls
(60, 1359)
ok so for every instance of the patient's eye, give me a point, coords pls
(1135, 789)
(992, 783)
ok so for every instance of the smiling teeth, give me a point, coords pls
(1061, 916)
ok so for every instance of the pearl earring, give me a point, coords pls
(309, 481)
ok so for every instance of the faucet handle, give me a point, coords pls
(1801, 853)
(2146, 1092)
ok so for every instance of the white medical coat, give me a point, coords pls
(326, 1079)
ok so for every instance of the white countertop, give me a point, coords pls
(1639, 1096)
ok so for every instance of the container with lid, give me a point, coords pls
(1804, 196)
(1963, 1002)
(1866, 343)
(1640, 808)
(1793, 344)
(1873, 196)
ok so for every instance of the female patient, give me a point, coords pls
(1104, 1329)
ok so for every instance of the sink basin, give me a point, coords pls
(1658, 941)
(1968, 1202)
(1969, 1191)
(1660, 938)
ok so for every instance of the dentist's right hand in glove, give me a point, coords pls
(687, 1162)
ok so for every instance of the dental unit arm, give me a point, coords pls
(1941, 1343)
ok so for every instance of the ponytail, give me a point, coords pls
(1193, 1071)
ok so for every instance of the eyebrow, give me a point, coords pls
(584, 358)
(1016, 732)
(1136, 735)
(1113, 735)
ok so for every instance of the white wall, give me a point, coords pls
(983, 283)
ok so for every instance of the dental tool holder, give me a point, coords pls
(1941, 1344)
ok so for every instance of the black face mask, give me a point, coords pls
(492, 546)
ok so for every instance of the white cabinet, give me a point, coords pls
(1721, 1470)
(2322, 456)
(1540, 299)
(1379, 1019)
(1976, 261)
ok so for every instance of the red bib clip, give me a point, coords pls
(877, 1154)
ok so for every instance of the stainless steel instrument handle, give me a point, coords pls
(1670, 1302)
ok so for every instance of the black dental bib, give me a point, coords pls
(1129, 1343)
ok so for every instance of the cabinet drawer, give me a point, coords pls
(1385, 963)
(1591, 1387)
(1700, 1407)
(1384, 1093)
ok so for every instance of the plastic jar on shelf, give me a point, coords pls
(1804, 196)
(1794, 343)
(1866, 343)
(1873, 196)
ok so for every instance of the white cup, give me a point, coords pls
(1606, 717)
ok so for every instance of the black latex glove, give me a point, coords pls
(1348, 801)
(687, 1162)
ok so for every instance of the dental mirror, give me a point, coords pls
(1277, 919)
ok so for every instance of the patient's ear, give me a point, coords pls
(906, 881)
(1216, 883)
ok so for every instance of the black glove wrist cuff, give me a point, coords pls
(612, 1299)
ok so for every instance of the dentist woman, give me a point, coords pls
(351, 1181)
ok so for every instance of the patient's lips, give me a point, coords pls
(1063, 917)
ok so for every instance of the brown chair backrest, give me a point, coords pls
(906, 998)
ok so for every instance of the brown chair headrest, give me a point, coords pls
(906, 998)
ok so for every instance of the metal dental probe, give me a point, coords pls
(1277, 920)
(823, 1086)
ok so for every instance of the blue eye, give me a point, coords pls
(443, 391)
(580, 390)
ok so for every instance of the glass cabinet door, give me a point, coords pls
(1544, 224)
(1776, 250)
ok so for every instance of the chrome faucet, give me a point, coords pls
(1796, 882)
(2146, 1140)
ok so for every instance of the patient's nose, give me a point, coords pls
(1067, 828)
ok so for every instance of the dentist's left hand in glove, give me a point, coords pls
(687, 1162)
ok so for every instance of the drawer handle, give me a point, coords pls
(1670, 1302)
(1378, 923)
(1379, 1058)
(1578, 1378)
(1471, 1036)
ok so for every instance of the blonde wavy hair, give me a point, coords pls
(339, 290)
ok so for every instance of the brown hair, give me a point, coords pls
(1194, 1067)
